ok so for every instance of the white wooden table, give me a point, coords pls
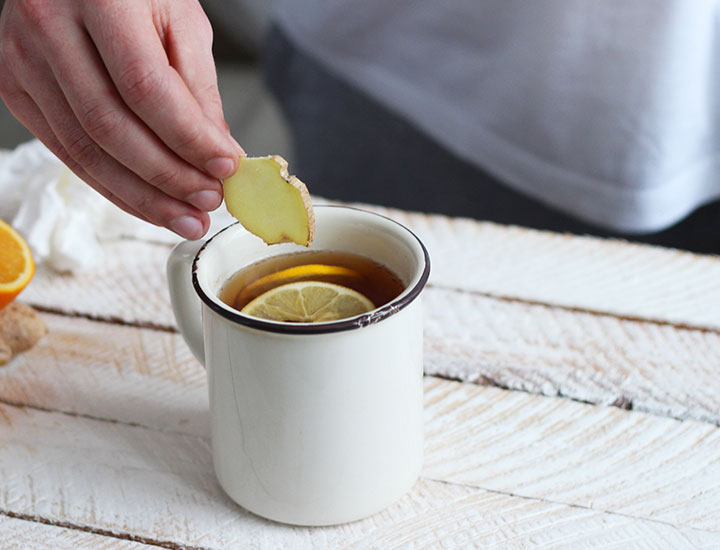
(572, 401)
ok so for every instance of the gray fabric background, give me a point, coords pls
(352, 148)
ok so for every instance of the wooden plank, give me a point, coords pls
(129, 286)
(656, 368)
(599, 275)
(160, 486)
(127, 374)
(459, 424)
(22, 534)
(659, 369)
(602, 275)
(602, 458)
(150, 377)
(492, 520)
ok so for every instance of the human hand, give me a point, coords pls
(124, 93)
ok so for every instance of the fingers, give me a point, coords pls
(188, 42)
(27, 112)
(112, 125)
(143, 127)
(64, 135)
(12, 55)
(132, 51)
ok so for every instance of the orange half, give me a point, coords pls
(16, 264)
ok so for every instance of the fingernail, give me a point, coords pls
(187, 227)
(220, 167)
(205, 200)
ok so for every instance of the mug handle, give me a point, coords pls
(185, 302)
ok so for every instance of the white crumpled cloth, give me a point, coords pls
(63, 219)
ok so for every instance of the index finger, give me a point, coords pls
(132, 50)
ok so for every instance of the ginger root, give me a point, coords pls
(20, 329)
(269, 202)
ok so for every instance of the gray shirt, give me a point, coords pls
(606, 110)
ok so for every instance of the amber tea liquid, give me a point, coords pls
(362, 274)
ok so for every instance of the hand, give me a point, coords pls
(124, 93)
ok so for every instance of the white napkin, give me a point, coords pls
(63, 219)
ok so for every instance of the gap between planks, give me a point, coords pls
(166, 544)
(101, 532)
(93, 417)
(75, 414)
(572, 309)
(171, 545)
(500, 352)
(459, 509)
(484, 382)
(109, 319)
(118, 320)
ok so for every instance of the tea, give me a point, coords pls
(368, 277)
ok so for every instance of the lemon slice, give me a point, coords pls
(314, 272)
(308, 302)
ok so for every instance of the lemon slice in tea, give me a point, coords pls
(308, 302)
(335, 274)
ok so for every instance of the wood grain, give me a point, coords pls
(598, 275)
(653, 367)
(601, 275)
(659, 369)
(602, 458)
(99, 369)
(131, 375)
(27, 534)
(497, 521)
(160, 486)
(129, 286)
(127, 455)
(475, 435)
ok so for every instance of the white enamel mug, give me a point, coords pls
(312, 423)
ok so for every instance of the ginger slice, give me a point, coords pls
(20, 329)
(269, 202)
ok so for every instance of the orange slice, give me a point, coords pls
(16, 264)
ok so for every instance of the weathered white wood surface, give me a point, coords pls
(655, 368)
(603, 458)
(27, 534)
(577, 272)
(147, 377)
(104, 428)
(160, 486)
(102, 370)
(652, 366)
(130, 286)
(660, 369)
(599, 275)
(150, 378)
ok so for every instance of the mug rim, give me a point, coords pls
(370, 318)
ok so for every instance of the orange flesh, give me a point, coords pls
(12, 259)
(16, 264)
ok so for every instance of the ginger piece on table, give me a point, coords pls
(20, 329)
